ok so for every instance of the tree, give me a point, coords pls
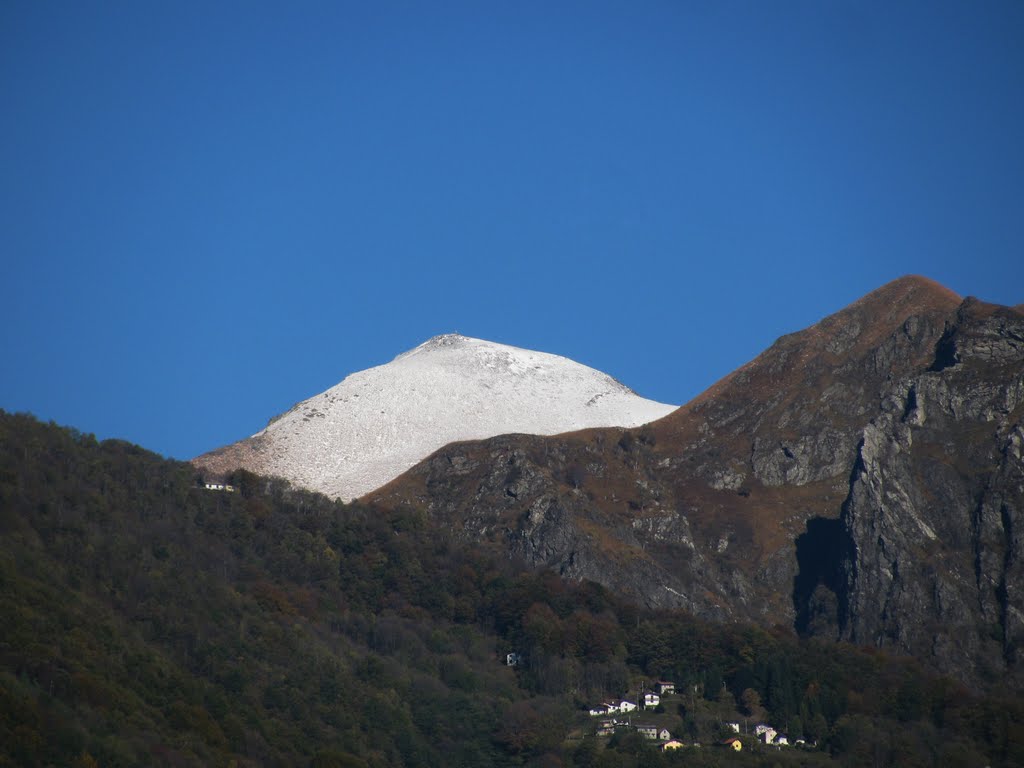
(712, 683)
(750, 704)
(542, 629)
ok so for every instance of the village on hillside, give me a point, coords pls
(649, 717)
(674, 719)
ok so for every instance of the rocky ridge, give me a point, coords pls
(861, 480)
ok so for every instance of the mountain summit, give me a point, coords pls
(375, 424)
(860, 480)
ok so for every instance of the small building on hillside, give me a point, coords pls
(663, 687)
(512, 659)
(672, 744)
(626, 706)
(646, 730)
(734, 744)
(651, 700)
(734, 727)
(604, 708)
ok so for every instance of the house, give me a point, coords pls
(604, 708)
(664, 735)
(781, 740)
(734, 727)
(606, 728)
(765, 733)
(626, 706)
(512, 659)
(219, 487)
(663, 687)
(647, 731)
(651, 700)
(733, 743)
(673, 744)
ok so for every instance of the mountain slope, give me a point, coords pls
(377, 423)
(799, 490)
(150, 622)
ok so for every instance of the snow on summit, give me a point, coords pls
(375, 424)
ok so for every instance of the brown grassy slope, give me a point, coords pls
(249, 453)
(805, 363)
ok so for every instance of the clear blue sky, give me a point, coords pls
(212, 210)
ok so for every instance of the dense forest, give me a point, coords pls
(146, 620)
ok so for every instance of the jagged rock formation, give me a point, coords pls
(861, 479)
(377, 423)
(935, 498)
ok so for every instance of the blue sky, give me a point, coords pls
(210, 211)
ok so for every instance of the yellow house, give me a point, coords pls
(734, 744)
(674, 744)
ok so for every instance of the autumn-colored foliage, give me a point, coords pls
(147, 621)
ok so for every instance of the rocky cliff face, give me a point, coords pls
(933, 566)
(860, 480)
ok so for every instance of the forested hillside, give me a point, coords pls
(145, 620)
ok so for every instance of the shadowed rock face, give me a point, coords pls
(861, 480)
(935, 496)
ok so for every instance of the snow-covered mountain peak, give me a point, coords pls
(441, 341)
(377, 423)
(455, 351)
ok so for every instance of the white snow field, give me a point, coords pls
(375, 424)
